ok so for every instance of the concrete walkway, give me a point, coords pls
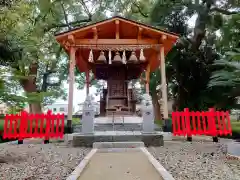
(119, 166)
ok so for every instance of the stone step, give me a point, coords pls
(103, 145)
(117, 127)
(87, 140)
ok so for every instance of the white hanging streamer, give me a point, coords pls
(124, 58)
(110, 57)
(90, 58)
(142, 58)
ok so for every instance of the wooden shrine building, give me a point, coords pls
(117, 50)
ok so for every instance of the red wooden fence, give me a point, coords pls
(25, 125)
(211, 123)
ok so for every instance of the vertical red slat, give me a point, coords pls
(223, 122)
(178, 123)
(10, 127)
(31, 119)
(26, 125)
(47, 127)
(199, 126)
(15, 133)
(187, 118)
(62, 130)
(228, 123)
(37, 116)
(53, 117)
(204, 122)
(194, 116)
(5, 130)
(57, 119)
(41, 125)
(21, 118)
(174, 123)
(219, 129)
(211, 121)
(182, 120)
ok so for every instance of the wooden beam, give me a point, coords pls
(95, 36)
(117, 29)
(140, 33)
(116, 41)
(71, 39)
(163, 38)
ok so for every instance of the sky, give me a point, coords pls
(80, 95)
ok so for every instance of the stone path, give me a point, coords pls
(119, 166)
(234, 148)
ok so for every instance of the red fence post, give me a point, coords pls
(194, 115)
(5, 130)
(63, 125)
(229, 128)
(211, 122)
(204, 115)
(174, 123)
(219, 127)
(47, 127)
(188, 125)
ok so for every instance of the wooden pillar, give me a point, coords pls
(87, 82)
(163, 83)
(147, 74)
(71, 87)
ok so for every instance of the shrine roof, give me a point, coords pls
(106, 21)
(116, 34)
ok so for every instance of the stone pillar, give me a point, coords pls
(88, 116)
(71, 87)
(147, 114)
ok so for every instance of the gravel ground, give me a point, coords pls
(197, 161)
(39, 161)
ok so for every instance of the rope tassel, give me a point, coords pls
(90, 58)
(124, 58)
(142, 58)
(110, 57)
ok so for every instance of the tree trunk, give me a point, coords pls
(156, 107)
(29, 86)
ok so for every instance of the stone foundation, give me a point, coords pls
(87, 140)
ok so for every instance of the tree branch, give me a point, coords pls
(86, 8)
(224, 11)
(66, 25)
(140, 10)
(65, 16)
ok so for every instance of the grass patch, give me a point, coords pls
(76, 121)
(235, 126)
(158, 122)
